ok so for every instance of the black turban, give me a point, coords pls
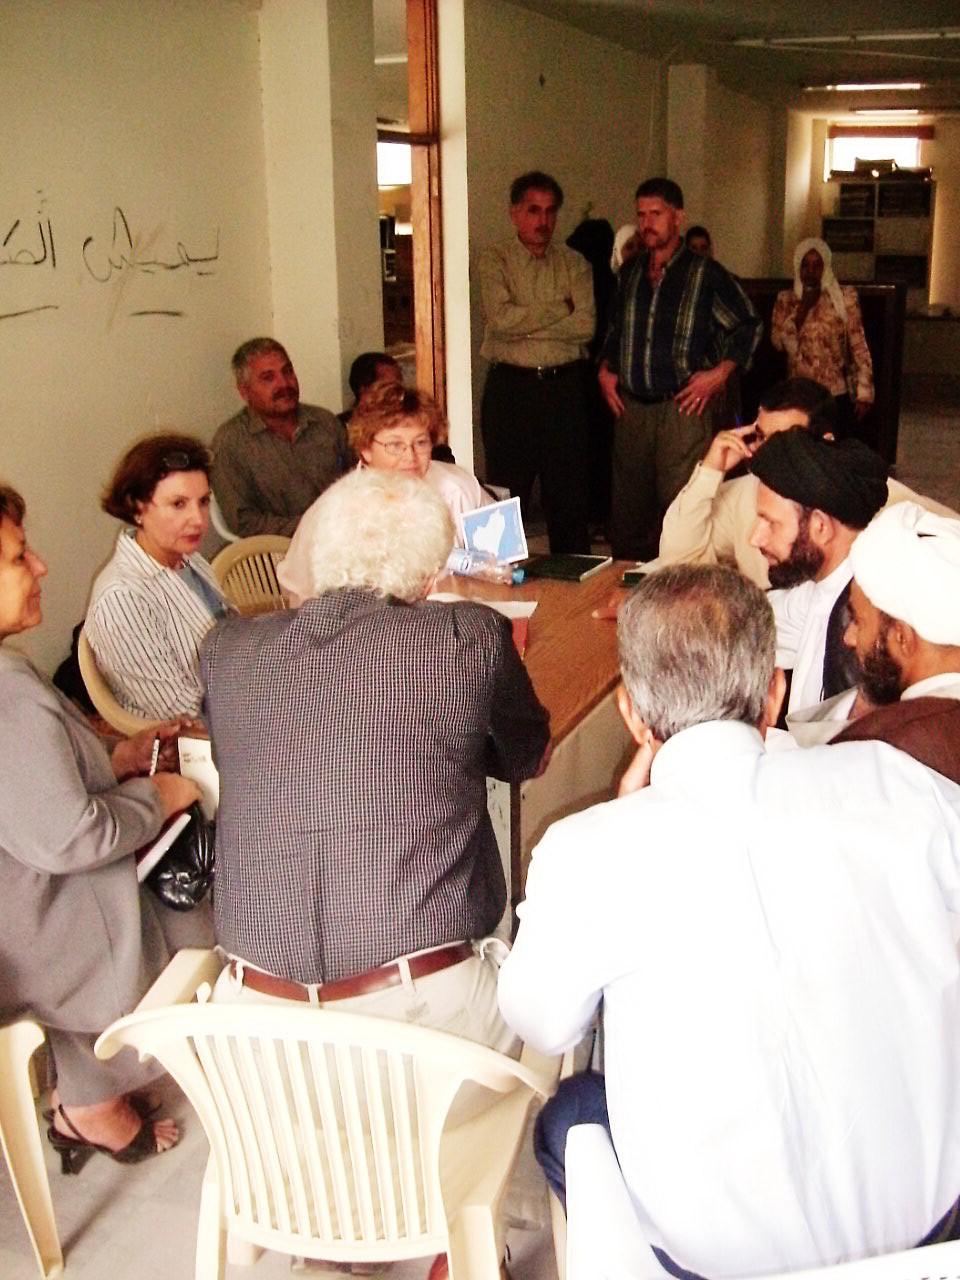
(843, 478)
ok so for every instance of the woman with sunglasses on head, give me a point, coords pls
(80, 941)
(157, 597)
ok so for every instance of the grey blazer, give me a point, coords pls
(79, 942)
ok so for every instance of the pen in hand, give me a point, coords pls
(155, 757)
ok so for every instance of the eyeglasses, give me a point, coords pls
(397, 448)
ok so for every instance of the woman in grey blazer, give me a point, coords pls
(79, 942)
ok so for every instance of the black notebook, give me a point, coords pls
(569, 568)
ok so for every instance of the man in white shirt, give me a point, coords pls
(813, 499)
(772, 938)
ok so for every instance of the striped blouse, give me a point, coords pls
(145, 624)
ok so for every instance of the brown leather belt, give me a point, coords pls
(358, 984)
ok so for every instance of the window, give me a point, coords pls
(843, 153)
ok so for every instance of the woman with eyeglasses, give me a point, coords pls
(157, 597)
(397, 429)
(394, 428)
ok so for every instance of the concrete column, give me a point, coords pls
(688, 133)
(319, 124)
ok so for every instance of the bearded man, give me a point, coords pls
(814, 497)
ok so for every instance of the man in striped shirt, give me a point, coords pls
(679, 326)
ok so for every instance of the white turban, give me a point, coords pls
(828, 283)
(907, 563)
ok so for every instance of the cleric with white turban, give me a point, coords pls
(907, 563)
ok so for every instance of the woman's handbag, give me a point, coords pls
(184, 875)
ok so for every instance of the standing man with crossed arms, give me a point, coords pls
(540, 315)
(679, 326)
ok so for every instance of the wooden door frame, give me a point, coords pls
(423, 138)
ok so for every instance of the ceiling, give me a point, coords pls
(706, 31)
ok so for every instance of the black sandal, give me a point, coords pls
(76, 1151)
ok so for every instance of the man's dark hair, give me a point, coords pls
(660, 189)
(696, 232)
(365, 370)
(811, 397)
(535, 180)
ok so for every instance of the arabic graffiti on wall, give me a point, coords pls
(28, 243)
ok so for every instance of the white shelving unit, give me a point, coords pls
(881, 230)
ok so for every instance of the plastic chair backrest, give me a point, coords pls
(218, 522)
(326, 1128)
(247, 572)
(101, 695)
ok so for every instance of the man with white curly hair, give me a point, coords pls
(356, 863)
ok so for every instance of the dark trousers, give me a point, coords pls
(533, 425)
(655, 448)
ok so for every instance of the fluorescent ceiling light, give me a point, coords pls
(887, 113)
(852, 37)
(864, 88)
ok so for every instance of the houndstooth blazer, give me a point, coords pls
(353, 738)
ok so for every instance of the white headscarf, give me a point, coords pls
(907, 563)
(829, 281)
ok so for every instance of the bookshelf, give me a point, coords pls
(880, 230)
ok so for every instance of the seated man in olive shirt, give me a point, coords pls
(276, 456)
(356, 861)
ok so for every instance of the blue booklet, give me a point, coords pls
(496, 530)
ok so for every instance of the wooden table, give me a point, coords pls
(571, 658)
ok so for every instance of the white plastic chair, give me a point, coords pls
(102, 696)
(247, 572)
(218, 522)
(20, 1140)
(329, 1134)
(605, 1242)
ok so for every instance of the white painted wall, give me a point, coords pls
(801, 217)
(943, 155)
(595, 122)
(728, 152)
(746, 162)
(152, 107)
(688, 139)
(320, 131)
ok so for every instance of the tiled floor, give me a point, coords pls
(117, 1222)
